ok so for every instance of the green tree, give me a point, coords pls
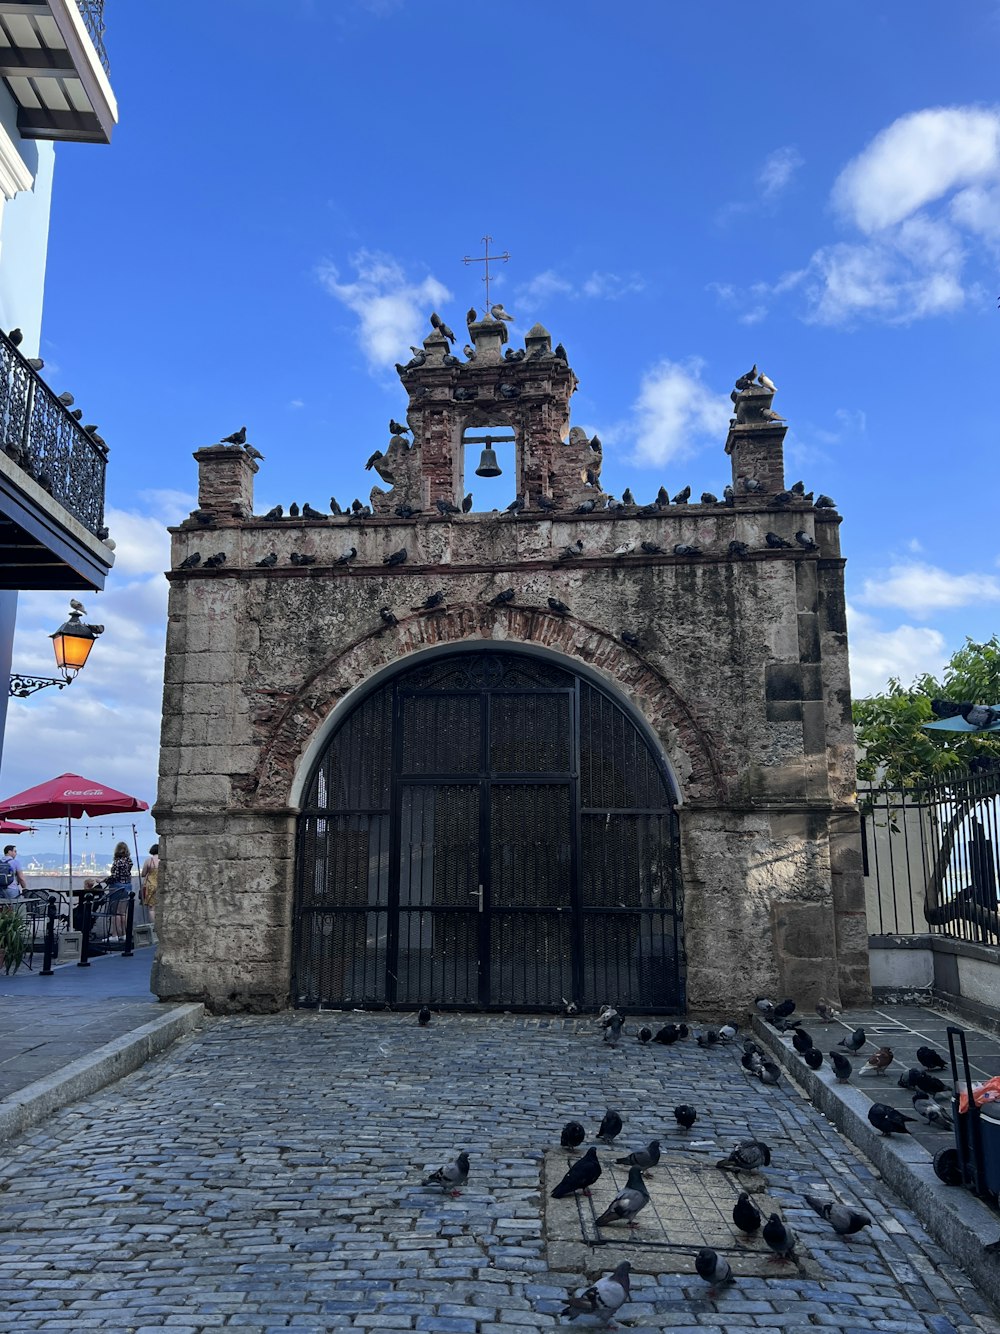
(896, 751)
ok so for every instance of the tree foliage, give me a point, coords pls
(897, 752)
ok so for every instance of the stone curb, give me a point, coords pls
(955, 1219)
(80, 1078)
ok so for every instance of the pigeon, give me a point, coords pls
(922, 1081)
(644, 1035)
(390, 619)
(237, 438)
(610, 1128)
(424, 1013)
(769, 1073)
(516, 505)
(752, 1061)
(334, 506)
(470, 315)
(738, 548)
(768, 384)
(431, 602)
(213, 562)
(627, 497)
(558, 607)
(747, 1156)
(728, 495)
(887, 1119)
(467, 503)
(713, 1268)
(373, 460)
(573, 1135)
(276, 513)
(685, 1115)
(825, 503)
(751, 484)
(667, 1035)
(507, 595)
(746, 380)
(571, 551)
(709, 1038)
(806, 542)
(601, 1299)
(683, 549)
(776, 542)
(651, 548)
(438, 323)
(546, 504)
(606, 1014)
(878, 1062)
(625, 549)
(16, 337)
(769, 415)
(854, 1041)
(498, 313)
(293, 510)
(632, 1198)
(841, 1066)
(347, 556)
(189, 562)
(396, 428)
(446, 507)
(395, 557)
(780, 1239)
(405, 511)
(784, 1008)
(844, 1220)
(451, 1176)
(746, 1215)
(587, 507)
(269, 560)
(36, 364)
(708, 498)
(801, 1041)
(633, 641)
(930, 1059)
(647, 1157)
(781, 497)
(581, 1176)
(560, 352)
(813, 1058)
(826, 1011)
(253, 453)
(932, 1112)
(613, 1030)
(67, 399)
(309, 513)
(683, 496)
(77, 414)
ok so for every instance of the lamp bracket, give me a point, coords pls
(22, 686)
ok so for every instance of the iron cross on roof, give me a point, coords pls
(485, 259)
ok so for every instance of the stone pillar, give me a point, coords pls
(225, 481)
(756, 444)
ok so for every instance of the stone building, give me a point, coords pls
(574, 751)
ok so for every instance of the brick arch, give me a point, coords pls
(292, 728)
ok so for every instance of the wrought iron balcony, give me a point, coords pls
(92, 13)
(40, 435)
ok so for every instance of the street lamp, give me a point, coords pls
(71, 644)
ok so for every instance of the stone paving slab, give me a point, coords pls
(265, 1174)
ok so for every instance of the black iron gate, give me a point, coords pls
(488, 831)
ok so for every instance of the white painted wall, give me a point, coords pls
(24, 229)
(980, 981)
(908, 970)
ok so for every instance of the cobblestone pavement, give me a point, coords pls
(265, 1174)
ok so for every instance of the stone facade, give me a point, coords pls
(740, 671)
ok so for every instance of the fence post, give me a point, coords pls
(129, 922)
(85, 925)
(50, 939)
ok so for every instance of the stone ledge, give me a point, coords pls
(957, 1220)
(36, 1101)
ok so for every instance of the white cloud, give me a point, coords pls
(392, 310)
(903, 652)
(778, 169)
(917, 159)
(611, 286)
(296, 403)
(546, 284)
(598, 286)
(923, 589)
(676, 412)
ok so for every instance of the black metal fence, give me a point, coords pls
(92, 13)
(46, 441)
(930, 857)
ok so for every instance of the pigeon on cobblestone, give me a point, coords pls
(844, 1221)
(647, 1157)
(747, 1156)
(613, 1030)
(424, 1016)
(603, 1298)
(826, 1011)
(573, 1135)
(632, 1198)
(667, 1035)
(746, 1215)
(769, 1073)
(713, 1268)
(854, 1041)
(780, 1239)
(645, 1034)
(752, 1061)
(610, 1128)
(932, 1112)
(451, 1177)
(727, 1032)
(581, 1176)
(685, 1115)
(887, 1119)
(930, 1059)
(841, 1066)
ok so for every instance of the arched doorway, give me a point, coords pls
(488, 830)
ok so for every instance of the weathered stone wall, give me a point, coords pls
(741, 673)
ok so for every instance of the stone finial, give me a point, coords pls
(225, 481)
(538, 341)
(756, 435)
(489, 337)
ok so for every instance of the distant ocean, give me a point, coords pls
(60, 880)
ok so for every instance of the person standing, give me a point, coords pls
(10, 853)
(120, 880)
(148, 877)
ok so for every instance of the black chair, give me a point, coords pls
(108, 919)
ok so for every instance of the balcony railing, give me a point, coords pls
(40, 435)
(92, 13)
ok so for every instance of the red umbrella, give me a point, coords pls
(67, 798)
(12, 827)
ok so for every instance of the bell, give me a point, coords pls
(488, 466)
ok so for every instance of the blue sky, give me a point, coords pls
(683, 190)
